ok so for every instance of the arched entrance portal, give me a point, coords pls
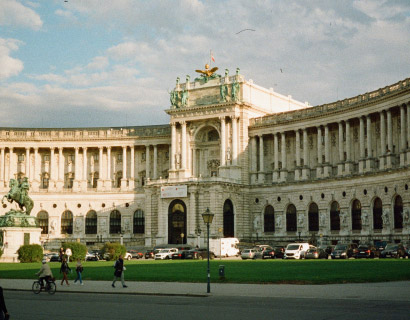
(177, 222)
(229, 226)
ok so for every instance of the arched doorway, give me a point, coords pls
(356, 215)
(229, 222)
(291, 224)
(313, 216)
(335, 216)
(177, 222)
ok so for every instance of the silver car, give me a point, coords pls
(249, 254)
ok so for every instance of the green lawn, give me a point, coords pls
(238, 271)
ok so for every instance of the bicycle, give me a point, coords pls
(50, 286)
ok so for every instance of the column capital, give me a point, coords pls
(173, 124)
(182, 122)
(35, 149)
(84, 148)
(108, 148)
(222, 118)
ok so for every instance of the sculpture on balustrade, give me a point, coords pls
(207, 73)
(19, 194)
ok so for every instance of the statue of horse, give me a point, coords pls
(17, 194)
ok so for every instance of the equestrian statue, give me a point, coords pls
(19, 193)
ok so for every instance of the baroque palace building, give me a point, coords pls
(269, 167)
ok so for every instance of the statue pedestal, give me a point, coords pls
(14, 238)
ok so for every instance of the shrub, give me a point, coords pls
(30, 253)
(113, 250)
(78, 250)
(1, 252)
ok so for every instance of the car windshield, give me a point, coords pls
(312, 250)
(247, 250)
(163, 251)
(341, 247)
(293, 247)
(363, 247)
(391, 246)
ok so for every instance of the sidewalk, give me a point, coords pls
(386, 291)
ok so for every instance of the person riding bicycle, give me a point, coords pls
(44, 273)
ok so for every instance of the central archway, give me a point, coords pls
(228, 219)
(177, 222)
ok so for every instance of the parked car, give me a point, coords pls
(327, 248)
(55, 258)
(394, 250)
(200, 253)
(296, 250)
(149, 254)
(98, 254)
(248, 254)
(165, 254)
(48, 256)
(91, 256)
(135, 254)
(181, 254)
(366, 251)
(380, 245)
(260, 251)
(127, 256)
(276, 253)
(316, 253)
(344, 251)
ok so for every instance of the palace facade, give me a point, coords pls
(269, 167)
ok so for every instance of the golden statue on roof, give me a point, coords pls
(207, 72)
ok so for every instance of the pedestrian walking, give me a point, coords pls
(4, 315)
(79, 270)
(61, 254)
(119, 271)
(64, 269)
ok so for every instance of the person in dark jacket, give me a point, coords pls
(119, 272)
(3, 310)
(64, 269)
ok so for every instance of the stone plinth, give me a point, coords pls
(14, 238)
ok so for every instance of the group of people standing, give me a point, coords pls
(65, 269)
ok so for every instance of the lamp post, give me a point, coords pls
(208, 217)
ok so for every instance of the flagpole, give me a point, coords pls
(210, 58)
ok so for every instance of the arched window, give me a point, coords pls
(398, 213)
(228, 219)
(139, 221)
(269, 219)
(377, 214)
(335, 216)
(115, 221)
(291, 218)
(356, 215)
(67, 222)
(91, 222)
(42, 218)
(313, 216)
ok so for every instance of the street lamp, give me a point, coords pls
(208, 217)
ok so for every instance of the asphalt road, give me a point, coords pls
(25, 305)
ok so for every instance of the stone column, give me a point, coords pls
(275, 176)
(60, 181)
(155, 173)
(341, 150)
(223, 142)
(108, 178)
(173, 144)
(27, 173)
(389, 159)
(131, 182)
(306, 169)
(2, 167)
(147, 163)
(327, 168)
(382, 141)
(124, 169)
(253, 160)
(319, 152)
(261, 173)
(369, 160)
(183, 146)
(36, 175)
(76, 182)
(348, 163)
(191, 217)
(84, 184)
(283, 172)
(408, 133)
(297, 151)
(235, 140)
(100, 181)
(402, 136)
(362, 146)
(11, 173)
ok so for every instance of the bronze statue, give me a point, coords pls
(19, 193)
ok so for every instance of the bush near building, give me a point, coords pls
(1, 252)
(30, 253)
(78, 250)
(112, 250)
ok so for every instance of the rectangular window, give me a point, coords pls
(46, 157)
(119, 157)
(71, 157)
(21, 157)
(96, 157)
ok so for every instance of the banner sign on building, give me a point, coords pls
(174, 192)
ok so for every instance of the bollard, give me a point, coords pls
(221, 272)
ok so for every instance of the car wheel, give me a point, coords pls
(129, 258)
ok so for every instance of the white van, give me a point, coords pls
(224, 247)
(296, 250)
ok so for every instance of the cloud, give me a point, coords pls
(9, 66)
(13, 13)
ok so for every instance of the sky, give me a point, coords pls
(103, 63)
